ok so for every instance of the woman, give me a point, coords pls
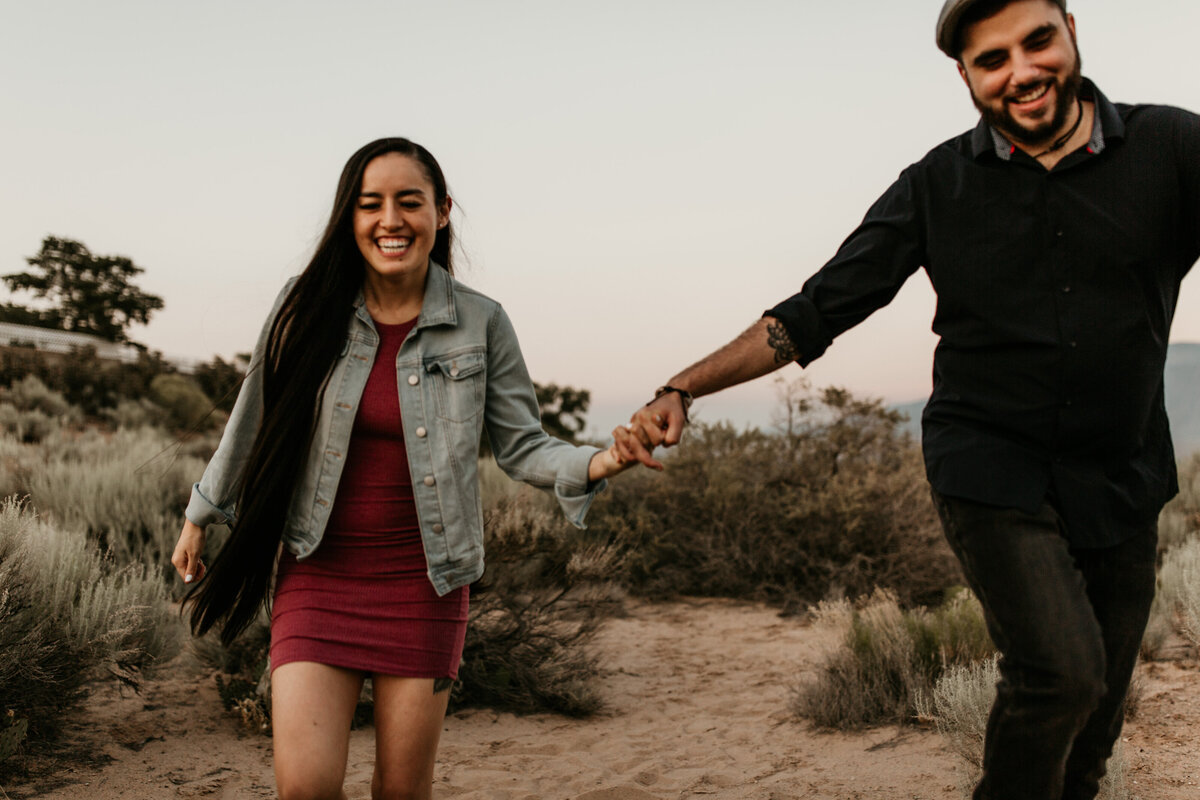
(354, 442)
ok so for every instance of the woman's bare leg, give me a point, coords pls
(408, 725)
(312, 706)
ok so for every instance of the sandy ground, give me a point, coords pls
(697, 696)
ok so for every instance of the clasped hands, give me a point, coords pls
(659, 422)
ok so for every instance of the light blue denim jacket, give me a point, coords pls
(459, 371)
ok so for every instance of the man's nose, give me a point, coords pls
(1024, 69)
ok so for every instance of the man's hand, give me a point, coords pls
(660, 422)
(762, 348)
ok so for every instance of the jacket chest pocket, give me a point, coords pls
(459, 383)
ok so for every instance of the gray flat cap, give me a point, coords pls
(951, 18)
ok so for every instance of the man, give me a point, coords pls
(1056, 234)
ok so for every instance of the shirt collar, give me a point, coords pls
(437, 306)
(1108, 125)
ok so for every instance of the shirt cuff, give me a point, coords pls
(804, 327)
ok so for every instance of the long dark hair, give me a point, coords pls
(304, 341)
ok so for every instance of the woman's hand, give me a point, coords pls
(607, 463)
(186, 558)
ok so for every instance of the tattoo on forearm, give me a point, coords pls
(779, 340)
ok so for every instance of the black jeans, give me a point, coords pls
(1068, 623)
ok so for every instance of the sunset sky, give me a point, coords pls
(636, 181)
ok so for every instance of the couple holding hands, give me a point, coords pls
(1055, 233)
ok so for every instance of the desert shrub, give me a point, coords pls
(26, 426)
(1180, 519)
(538, 605)
(30, 411)
(836, 506)
(1178, 597)
(959, 706)
(31, 394)
(889, 658)
(140, 413)
(68, 616)
(181, 397)
(242, 673)
(127, 489)
(221, 380)
(1176, 608)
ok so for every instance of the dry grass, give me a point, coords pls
(68, 616)
(126, 489)
(889, 658)
(959, 707)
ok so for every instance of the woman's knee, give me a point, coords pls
(400, 787)
(307, 787)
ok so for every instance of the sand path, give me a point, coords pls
(697, 696)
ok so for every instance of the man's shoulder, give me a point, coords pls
(949, 155)
(1156, 114)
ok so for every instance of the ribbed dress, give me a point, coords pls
(363, 600)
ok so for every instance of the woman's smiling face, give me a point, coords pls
(397, 216)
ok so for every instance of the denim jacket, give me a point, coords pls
(458, 372)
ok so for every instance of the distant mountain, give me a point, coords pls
(1182, 380)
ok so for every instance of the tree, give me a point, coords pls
(563, 409)
(87, 293)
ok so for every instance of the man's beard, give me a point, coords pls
(1067, 94)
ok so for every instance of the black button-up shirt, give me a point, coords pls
(1055, 293)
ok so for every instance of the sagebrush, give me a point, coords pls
(68, 616)
(834, 508)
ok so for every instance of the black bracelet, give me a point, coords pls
(684, 395)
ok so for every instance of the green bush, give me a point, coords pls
(69, 616)
(889, 658)
(834, 508)
(187, 407)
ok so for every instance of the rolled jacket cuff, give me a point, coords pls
(203, 512)
(573, 491)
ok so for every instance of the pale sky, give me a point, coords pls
(636, 181)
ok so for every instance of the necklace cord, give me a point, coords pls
(1066, 137)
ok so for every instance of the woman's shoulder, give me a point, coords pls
(473, 300)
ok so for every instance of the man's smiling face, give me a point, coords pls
(1023, 70)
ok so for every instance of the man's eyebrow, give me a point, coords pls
(1037, 33)
(1040, 32)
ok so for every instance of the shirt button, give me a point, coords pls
(421, 433)
(1059, 233)
(1069, 403)
(413, 380)
(437, 527)
(1066, 289)
(454, 372)
(1074, 345)
(429, 481)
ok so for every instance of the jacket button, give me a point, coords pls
(454, 372)
(413, 380)
(421, 433)
(429, 481)
(437, 527)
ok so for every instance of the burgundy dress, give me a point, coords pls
(363, 600)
